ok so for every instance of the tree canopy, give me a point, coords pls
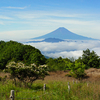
(90, 59)
(15, 51)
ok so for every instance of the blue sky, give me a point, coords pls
(22, 19)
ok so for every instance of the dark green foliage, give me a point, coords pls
(90, 59)
(57, 64)
(51, 64)
(77, 70)
(18, 52)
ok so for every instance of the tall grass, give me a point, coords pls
(55, 90)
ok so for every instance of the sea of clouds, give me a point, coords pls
(67, 48)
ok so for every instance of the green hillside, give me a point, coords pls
(15, 51)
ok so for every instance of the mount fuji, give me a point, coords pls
(63, 43)
(63, 33)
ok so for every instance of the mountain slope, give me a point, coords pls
(63, 33)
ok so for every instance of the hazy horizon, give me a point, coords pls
(24, 19)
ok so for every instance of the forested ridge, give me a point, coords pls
(14, 51)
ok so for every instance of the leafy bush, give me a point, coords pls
(57, 64)
(26, 74)
(77, 70)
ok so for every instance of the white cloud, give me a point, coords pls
(5, 17)
(44, 14)
(97, 50)
(65, 46)
(1, 22)
(15, 7)
(20, 34)
(71, 21)
(65, 54)
(67, 49)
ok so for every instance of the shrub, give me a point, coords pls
(26, 74)
(77, 70)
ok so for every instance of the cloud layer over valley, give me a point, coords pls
(68, 48)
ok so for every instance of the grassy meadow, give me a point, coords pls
(55, 90)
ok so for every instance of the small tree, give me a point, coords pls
(90, 59)
(77, 70)
(26, 74)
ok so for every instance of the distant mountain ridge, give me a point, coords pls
(63, 33)
(53, 40)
